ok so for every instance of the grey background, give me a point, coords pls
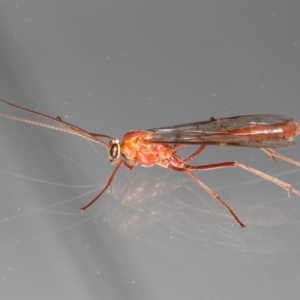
(112, 66)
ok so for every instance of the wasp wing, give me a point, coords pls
(233, 131)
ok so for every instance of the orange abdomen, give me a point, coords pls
(286, 131)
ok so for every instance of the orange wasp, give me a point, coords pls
(160, 145)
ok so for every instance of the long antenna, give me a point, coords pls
(70, 128)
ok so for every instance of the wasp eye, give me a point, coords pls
(114, 152)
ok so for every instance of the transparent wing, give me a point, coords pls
(233, 131)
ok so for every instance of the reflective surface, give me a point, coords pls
(113, 66)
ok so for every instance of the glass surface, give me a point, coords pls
(113, 66)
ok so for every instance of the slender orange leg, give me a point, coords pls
(274, 154)
(187, 168)
(177, 147)
(193, 155)
(106, 186)
(211, 192)
(282, 184)
(128, 166)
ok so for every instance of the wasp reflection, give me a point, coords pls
(171, 209)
